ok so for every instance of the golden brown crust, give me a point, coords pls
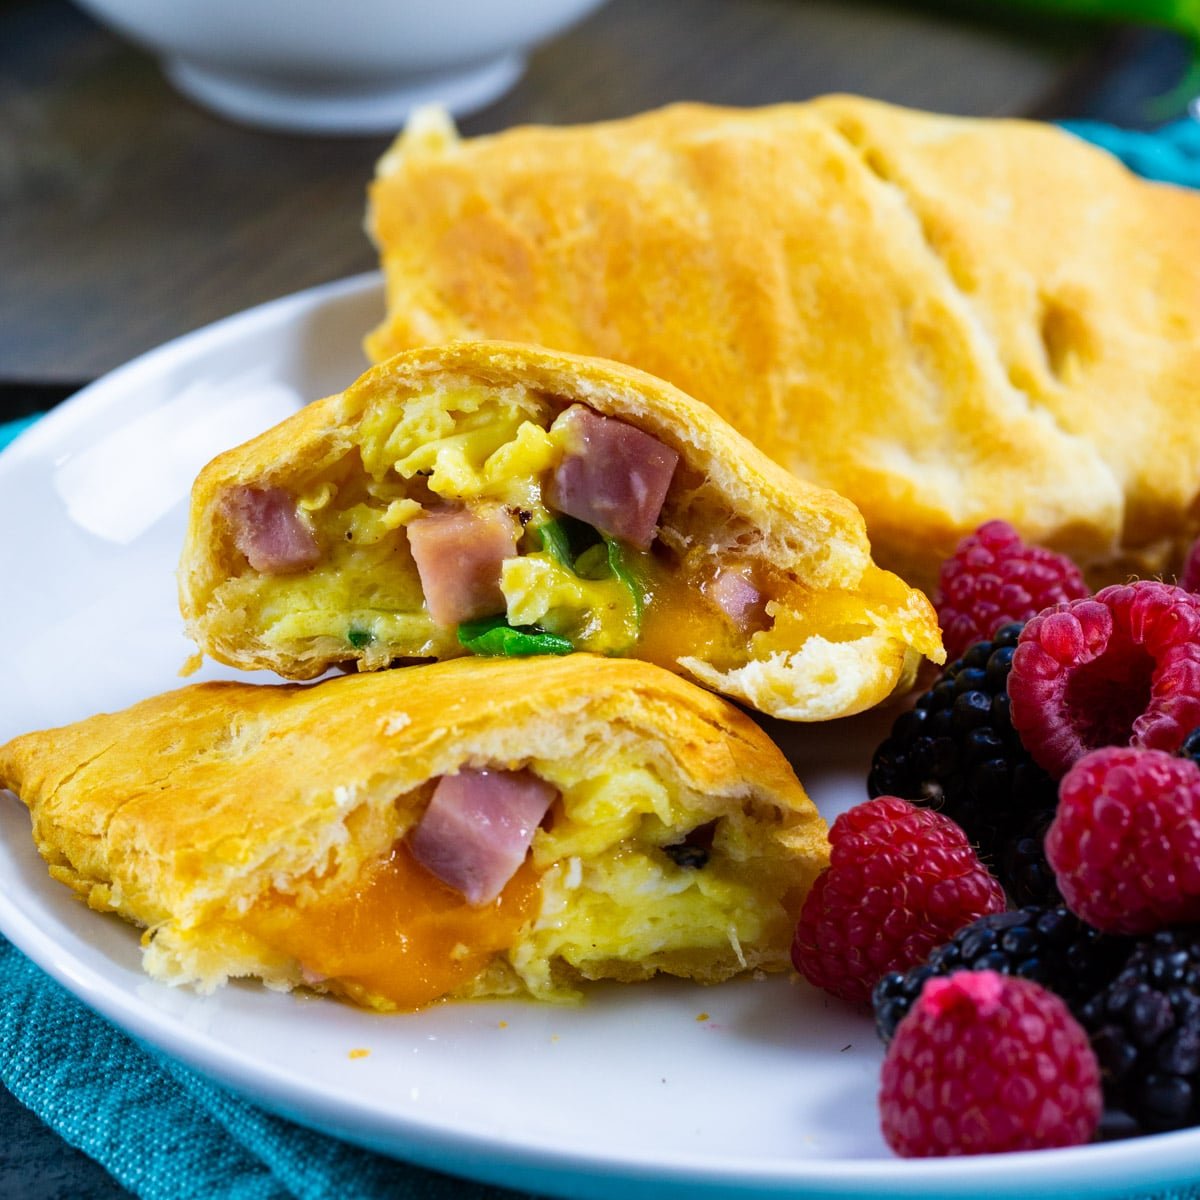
(945, 320)
(186, 807)
(799, 528)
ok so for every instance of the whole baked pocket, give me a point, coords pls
(463, 829)
(500, 499)
(946, 320)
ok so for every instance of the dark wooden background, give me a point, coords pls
(129, 216)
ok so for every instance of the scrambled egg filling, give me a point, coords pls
(600, 895)
(601, 615)
(363, 600)
(617, 901)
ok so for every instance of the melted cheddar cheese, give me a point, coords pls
(598, 895)
(400, 938)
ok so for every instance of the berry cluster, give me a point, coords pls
(956, 751)
(1063, 746)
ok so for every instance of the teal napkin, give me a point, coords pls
(10, 429)
(164, 1131)
(167, 1133)
(1169, 155)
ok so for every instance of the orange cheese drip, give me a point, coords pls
(678, 622)
(401, 937)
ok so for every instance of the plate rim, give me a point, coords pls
(57, 421)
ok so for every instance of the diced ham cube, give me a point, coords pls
(458, 552)
(478, 827)
(738, 598)
(268, 530)
(614, 477)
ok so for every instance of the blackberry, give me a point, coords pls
(1145, 1030)
(1051, 946)
(956, 751)
(1027, 876)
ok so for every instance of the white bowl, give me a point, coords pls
(339, 66)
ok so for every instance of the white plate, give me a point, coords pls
(758, 1088)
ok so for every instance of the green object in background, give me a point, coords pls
(1178, 16)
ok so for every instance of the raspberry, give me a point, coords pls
(994, 578)
(1051, 946)
(900, 881)
(1122, 668)
(1145, 1030)
(956, 751)
(987, 1063)
(1125, 842)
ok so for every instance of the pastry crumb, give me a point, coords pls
(359, 1053)
(191, 664)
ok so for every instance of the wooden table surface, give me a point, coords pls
(129, 216)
